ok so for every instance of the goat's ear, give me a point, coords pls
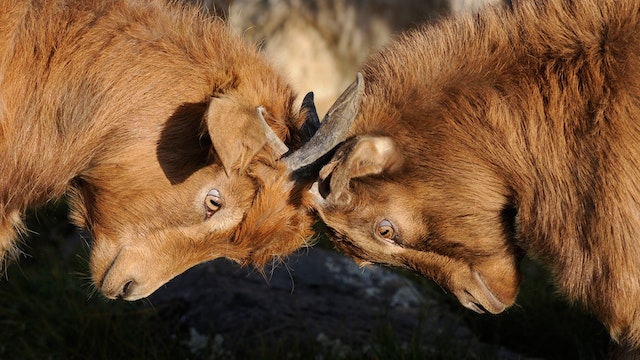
(236, 133)
(358, 157)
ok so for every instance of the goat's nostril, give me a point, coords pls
(127, 288)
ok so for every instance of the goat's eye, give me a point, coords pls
(212, 202)
(385, 230)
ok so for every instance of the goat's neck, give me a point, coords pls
(43, 152)
(572, 171)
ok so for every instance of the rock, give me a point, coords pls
(317, 297)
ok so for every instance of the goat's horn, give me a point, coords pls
(312, 122)
(333, 130)
(272, 139)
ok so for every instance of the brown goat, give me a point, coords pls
(484, 137)
(154, 119)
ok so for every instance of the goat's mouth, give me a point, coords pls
(112, 285)
(104, 274)
(125, 276)
(481, 301)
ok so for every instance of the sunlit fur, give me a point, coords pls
(108, 101)
(320, 45)
(520, 132)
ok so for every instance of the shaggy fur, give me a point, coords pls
(320, 45)
(113, 102)
(492, 135)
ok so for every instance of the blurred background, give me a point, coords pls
(317, 304)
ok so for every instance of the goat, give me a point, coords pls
(493, 135)
(159, 125)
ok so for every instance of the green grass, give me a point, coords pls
(47, 311)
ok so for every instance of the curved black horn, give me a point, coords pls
(333, 130)
(312, 123)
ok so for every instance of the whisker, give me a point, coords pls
(286, 266)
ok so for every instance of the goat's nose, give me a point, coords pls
(121, 291)
(126, 289)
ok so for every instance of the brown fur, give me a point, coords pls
(320, 45)
(114, 102)
(516, 130)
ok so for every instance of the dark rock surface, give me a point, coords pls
(318, 297)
